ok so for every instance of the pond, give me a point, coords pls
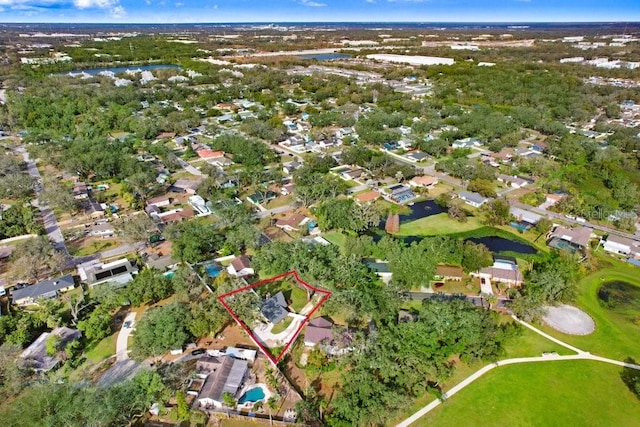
(621, 297)
(500, 244)
(95, 71)
(493, 243)
(419, 210)
(325, 56)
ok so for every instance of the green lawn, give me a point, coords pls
(437, 225)
(295, 296)
(280, 327)
(528, 344)
(562, 393)
(615, 336)
(336, 238)
(102, 350)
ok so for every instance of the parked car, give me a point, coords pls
(198, 352)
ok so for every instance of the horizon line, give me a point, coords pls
(321, 22)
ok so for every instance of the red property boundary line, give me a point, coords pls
(297, 278)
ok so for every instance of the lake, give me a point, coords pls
(325, 56)
(95, 71)
(500, 244)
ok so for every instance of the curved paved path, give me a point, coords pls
(581, 355)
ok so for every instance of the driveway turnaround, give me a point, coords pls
(569, 320)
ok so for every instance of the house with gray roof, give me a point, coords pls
(621, 245)
(274, 309)
(46, 289)
(225, 377)
(474, 199)
(35, 356)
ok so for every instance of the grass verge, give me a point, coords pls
(559, 393)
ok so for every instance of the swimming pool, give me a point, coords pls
(212, 270)
(252, 395)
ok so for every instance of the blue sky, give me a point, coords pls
(178, 11)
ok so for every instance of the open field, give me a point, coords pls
(526, 344)
(561, 393)
(615, 336)
(438, 225)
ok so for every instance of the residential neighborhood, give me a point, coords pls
(316, 225)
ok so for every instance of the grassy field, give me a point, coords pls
(527, 344)
(102, 350)
(437, 225)
(336, 238)
(563, 393)
(615, 336)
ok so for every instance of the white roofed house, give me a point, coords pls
(513, 181)
(622, 246)
(199, 205)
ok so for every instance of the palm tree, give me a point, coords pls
(229, 402)
(272, 404)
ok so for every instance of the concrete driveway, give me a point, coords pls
(122, 353)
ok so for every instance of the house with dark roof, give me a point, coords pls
(319, 330)
(46, 289)
(227, 377)
(240, 267)
(274, 309)
(35, 356)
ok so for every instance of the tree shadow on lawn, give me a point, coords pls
(631, 377)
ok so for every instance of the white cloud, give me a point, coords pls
(370, 1)
(311, 3)
(179, 4)
(80, 4)
(102, 4)
(118, 12)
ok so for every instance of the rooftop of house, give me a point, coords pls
(424, 180)
(275, 308)
(579, 235)
(45, 289)
(292, 221)
(35, 356)
(227, 378)
(367, 196)
(472, 197)
(633, 244)
(241, 262)
(318, 330)
(449, 271)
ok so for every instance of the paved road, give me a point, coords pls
(122, 352)
(581, 355)
(554, 215)
(191, 169)
(48, 218)
(277, 210)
